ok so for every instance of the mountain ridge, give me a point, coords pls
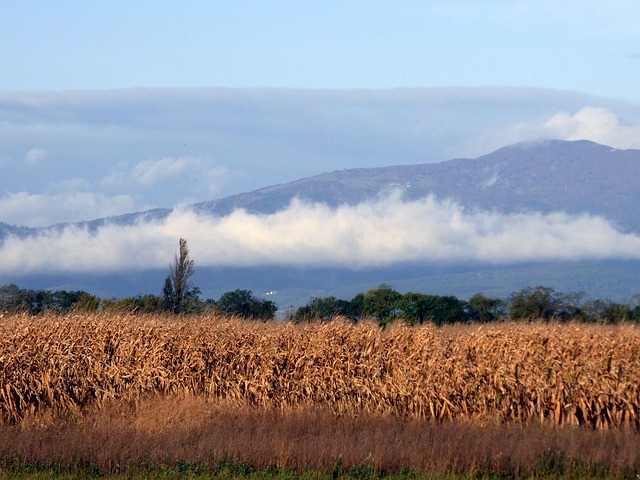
(575, 177)
(500, 180)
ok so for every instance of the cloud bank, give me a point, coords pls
(376, 233)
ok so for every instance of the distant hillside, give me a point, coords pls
(574, 177)
(543, 176)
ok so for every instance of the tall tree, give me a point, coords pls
(177, 286)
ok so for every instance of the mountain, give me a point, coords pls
(545, 176)
(20, 232)
(573, 177)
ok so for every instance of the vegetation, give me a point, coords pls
(386, 305)
(14, 299)
(386, 385)
(511, 372)
(244, 304)
(383, 304)
(178, 292)
(190, 437)
(112, 393)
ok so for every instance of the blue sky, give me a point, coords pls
(586, 45)
(108, 108)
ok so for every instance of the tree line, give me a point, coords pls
(178, 296)
(244, 303)
(384, 304)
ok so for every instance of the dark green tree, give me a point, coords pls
(617, 313)
(324, 309)
(381, 303)
(138, 304)
(244, 304)
(485, 309)
(356, 307)
(448, 309)
(14, 299)
(418, 308)
(415, 308)
(541, 303)
(87, 303)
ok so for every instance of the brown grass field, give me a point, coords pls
(116, 390)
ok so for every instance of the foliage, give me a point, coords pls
(417, 308)
(384, 304)
(14, 299)
(138, 304)
(86, 303)
(536, 302)
(244, 304)
(484, 309)
(381, 303)
(178, 292)
(324, 309)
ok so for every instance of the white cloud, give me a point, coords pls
(597, 124)
(370, 234)
(184, 180)
(35, 156)
(33, 210)
(150, 172)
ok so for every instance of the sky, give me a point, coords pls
(113, 107)
(582, 45)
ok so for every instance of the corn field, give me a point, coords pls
(563, 374)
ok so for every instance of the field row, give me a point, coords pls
(508, 372)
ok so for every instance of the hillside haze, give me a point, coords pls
(546, 176)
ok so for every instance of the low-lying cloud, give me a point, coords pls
(376, 233)
(34, 210)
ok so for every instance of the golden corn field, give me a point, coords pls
(563, 374)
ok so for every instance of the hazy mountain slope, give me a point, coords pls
(575, 177)
(550, 175)
(21, 232)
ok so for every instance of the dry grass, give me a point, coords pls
(511, 373)
(166, 431)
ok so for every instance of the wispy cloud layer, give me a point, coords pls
(25, 209)
(35, 156)
(369, 234)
